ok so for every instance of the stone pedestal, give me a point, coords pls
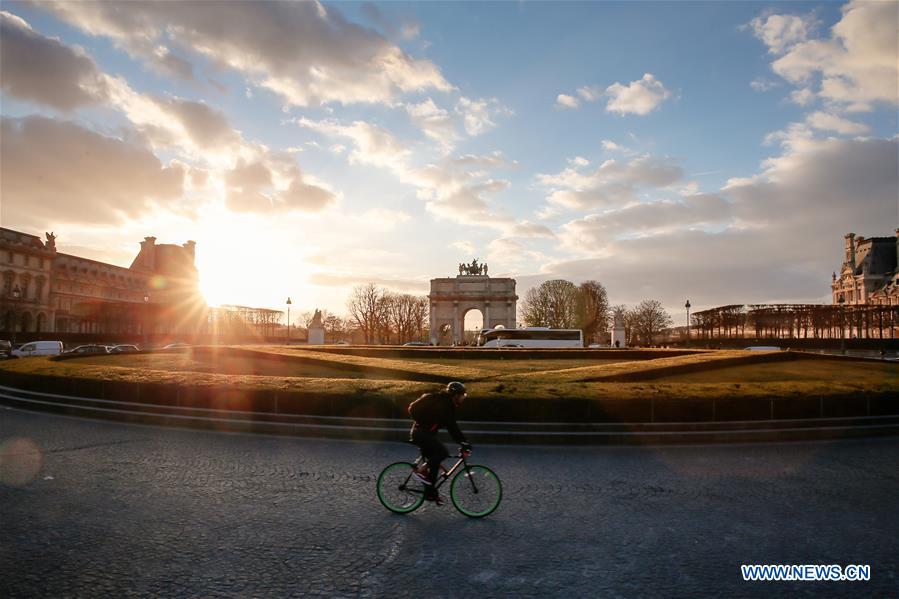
(316, 330)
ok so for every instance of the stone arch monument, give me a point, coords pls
(452, 297)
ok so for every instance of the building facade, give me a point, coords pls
(870, 272)
(47, 291)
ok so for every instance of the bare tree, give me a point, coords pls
(422, 315)
(336, 328)
(648, 319)
(593, 309)
(553, 304)
(366, 306)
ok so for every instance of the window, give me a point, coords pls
(9, 257)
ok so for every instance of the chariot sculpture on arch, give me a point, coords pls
(473, 269)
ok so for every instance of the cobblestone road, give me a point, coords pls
(94, 509)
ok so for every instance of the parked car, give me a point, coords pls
(123, 348)
(89, 349)
(762, 348)
(37, 348)
(176, 346)
(416, 344)
(5, 349)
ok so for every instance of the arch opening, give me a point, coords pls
(473, 320)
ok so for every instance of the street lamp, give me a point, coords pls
(288, 318)
(841, 300)
(146, 310)
(687, 306)
(16, 294)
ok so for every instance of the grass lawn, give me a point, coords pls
(226, 365)
(718, 374)
(517, 365)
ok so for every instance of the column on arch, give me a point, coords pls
(434, 327)
(486, 324)
(457, 326)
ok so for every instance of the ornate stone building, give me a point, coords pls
(452, 298)
(45, 290)
(870, 272)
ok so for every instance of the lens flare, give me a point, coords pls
(20, 461)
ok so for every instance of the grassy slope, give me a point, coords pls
(661, 378)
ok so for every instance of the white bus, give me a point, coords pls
(539, 337)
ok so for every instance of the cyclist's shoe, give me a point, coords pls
(421, 474)
(431, 494)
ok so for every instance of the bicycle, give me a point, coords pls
(475, 490)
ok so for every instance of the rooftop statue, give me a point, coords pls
(473, 269)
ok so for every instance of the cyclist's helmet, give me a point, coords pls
(455, 388)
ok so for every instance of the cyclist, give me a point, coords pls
(431, 412)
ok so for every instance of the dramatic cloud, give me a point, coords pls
(273, 186)
(304, 51)
(639, 97)
(856, 67)
(596, 231)
(787, 222)
(374, 144)
(54, 171)
(43, 70)
(613, 183)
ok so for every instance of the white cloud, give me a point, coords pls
(856, 66)
(303, 51)
(612, 183)
(802, 97)
(477, 115)
(590, 93)
(779, 32)
(595, 232)
(639, 97)
(566, 101)
(610, 146)
(832, 122)
(374, 144)
(761, 84)
(437, 123)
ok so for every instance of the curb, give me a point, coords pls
(387, 429)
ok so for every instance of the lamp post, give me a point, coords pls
(288, 318)
(687, 306)
(146, 310)
(16, 294)
(841, 300)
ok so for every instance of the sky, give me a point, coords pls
(716, 152)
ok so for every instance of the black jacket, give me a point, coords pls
(433, 411)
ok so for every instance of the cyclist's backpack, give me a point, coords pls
(419, 409)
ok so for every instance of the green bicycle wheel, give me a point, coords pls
(476, 491)
(397, 490)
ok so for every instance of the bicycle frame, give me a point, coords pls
(445, 474)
